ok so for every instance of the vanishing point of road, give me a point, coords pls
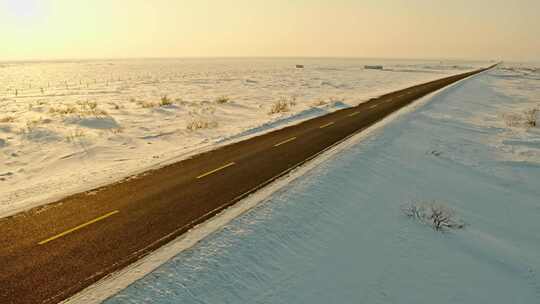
(49, 253)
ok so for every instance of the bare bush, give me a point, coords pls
(84, 109)
(201, 123)
(438, 215)
(282, 105)
(90, 108)
(74, 135)
(531, 117)
(222, 99)
(118, 130)
(165, 101)
(63, 110)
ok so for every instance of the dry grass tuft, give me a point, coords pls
(75, 135)
(201, 123)
(165, 101)
(282, 105)
(222, 100)
(84, 109)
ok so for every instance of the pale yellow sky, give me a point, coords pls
(474, 29)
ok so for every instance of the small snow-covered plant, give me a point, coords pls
(117, 130)
(222, 99)
(531, 117)
(165, 101)
(201, 123)
(74, 135)
(70, 109)
(282, 105)
(90, 108)
(92, 105)
(438, 215)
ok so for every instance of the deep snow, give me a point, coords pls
(337, 235)
(71, 126)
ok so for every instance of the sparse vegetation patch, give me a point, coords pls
(165, 101)
(84, 109)
(529, 119)
(437, 215)
(201, 123)
(531, 116)
(282, 105)
(222, 100)
(74, 135)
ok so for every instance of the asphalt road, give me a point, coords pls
(50, 253)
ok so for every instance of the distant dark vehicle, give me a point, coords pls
(299, 66)
(373, 67)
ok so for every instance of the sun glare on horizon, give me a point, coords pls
(41, 29)
(26, 9)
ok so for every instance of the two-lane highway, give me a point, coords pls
(49, 253)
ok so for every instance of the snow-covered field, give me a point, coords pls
(67, 127)
(338, 234)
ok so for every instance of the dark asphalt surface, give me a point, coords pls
(50, 253)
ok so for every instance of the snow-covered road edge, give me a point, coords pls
(118, 281)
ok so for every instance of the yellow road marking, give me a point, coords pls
(354, 113)
(326, 125)
(78, 227)
(285, 141)
(215, 170)
(373, 106)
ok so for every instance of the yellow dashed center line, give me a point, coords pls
(215, 170)
(354, 113)
(78, 227)
(326, 125)
(285, 141)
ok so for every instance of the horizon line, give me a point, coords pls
(114, 58)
